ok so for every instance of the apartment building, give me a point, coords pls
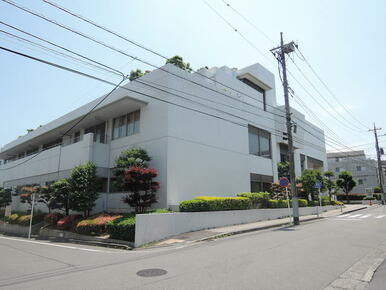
(363, 169)
(216, 132)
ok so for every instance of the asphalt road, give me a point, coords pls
(308, 257)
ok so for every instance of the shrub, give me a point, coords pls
(12, 219)
(334, 202)
(273, 203)
(351, 197)
(282, 203)
(302, 202)
(369, 198)
(194, 205)
(122, 228)
(258, 199)
(95, 225)
(209, 203)
(313, 203)
(52, 218)
(67, 222)
(325, 200)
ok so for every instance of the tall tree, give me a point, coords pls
(134, 157)
(61, 195)
(346, 182)
(179, 61)
(84, 185)
(5, 197)
(308, 180)
(139, 183)
(329, 183)
(283, 169)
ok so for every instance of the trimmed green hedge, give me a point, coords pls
(122, 228)
(258, 199)
(208, 203)
(23, 219)
(302, 202)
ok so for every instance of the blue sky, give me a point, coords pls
(342, 39)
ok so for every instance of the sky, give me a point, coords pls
(342, 40)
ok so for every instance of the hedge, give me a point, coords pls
(334, 202)
(302, 202)
(258, 199)
(23, 219)
(68, 222)
(122, 228)
(95, 225)
(208, 203)
(343, 197)
(52, 218)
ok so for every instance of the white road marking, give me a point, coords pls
(55, 245)
(355, 215)
(344, 215)
(365, 216)
(380, 216)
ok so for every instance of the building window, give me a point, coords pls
(360, 181)
(126, 125)
(337, 169)
(336, 159)
(98, 131)
(359, 168)
(259, 142)
(260, 182)
(295, 128)
(76, 137)
(257, 88)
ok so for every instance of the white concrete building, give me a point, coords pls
(363, 169)
(217, 132)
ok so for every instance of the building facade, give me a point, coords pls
(215, 132)
(363, 169)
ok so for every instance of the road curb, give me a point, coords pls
(233, 233)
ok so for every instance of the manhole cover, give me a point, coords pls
(151, 272)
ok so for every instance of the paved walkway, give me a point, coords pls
(208, 234)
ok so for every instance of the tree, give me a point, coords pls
(134, 74)
(84, 185)
(346, 182)
(27, 192)
(329, 183)
(5, 197)
(283, 169)
(308, 180)
(134, 157)
(377, 189)
(61, 196)
(139, 182)
(179, 61)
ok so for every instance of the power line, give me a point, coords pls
(70, 70)
(330, 91)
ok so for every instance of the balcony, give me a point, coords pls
(47, 161)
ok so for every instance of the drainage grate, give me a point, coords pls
(151, 272)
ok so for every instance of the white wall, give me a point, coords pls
(154, 227)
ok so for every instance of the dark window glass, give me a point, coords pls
(257, 88)
(259, 142)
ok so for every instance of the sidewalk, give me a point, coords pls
(210, 234)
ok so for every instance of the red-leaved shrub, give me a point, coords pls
(52, 218)
(95, 225)
(68, 221)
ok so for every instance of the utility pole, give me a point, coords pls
(280, 53)
(380, 171)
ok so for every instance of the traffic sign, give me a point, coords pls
(284, 182)
(317, 184)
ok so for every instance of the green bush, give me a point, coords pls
(334, 202)
(325, 200)
(258, 199)
(122, 228)
(209, 203)
(313, 203)
(273, 203)
(282, 203)
(302, 202)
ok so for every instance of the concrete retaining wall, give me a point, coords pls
(17, 230)
(155, 227)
